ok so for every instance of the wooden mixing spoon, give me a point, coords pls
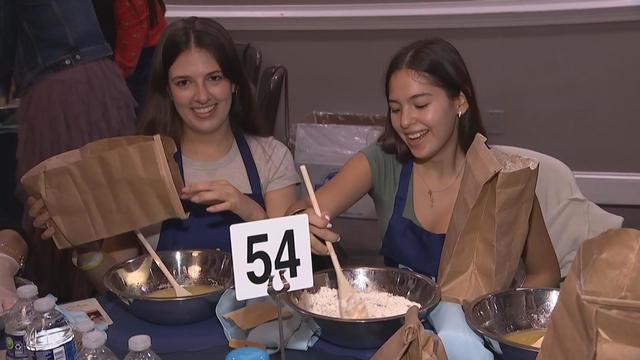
(350, 304)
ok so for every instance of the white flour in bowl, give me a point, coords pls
(379, 304)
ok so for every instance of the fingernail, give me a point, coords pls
(339, 238)
(326, 216)
(329, 225)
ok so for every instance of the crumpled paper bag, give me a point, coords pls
(597, 316)
(493, 213)
(108, 187)
(412, 342)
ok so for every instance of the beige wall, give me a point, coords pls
(569, 91)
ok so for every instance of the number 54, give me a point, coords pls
(292, 263)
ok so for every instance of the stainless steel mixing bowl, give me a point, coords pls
(497, 314)
(368, 333)
(134, 279)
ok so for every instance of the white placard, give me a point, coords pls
(262, 248)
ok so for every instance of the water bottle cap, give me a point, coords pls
(27, 291)
(94, 339)
(139, 342)
(44, 304)
(247, 353)
(85, 325)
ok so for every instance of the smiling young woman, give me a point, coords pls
(199, 95)
(414, 175)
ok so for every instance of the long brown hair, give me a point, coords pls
(445, 67)
(159, 115)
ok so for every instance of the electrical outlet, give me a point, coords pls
(494, 123)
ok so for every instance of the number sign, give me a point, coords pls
(262, 248)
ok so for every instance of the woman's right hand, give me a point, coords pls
(8, 267)
(40, 216)
(320, 231)
(8, 296)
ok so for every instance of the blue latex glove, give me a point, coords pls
(460, 341)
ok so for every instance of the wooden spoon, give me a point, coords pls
(351, 305)
(180, 291)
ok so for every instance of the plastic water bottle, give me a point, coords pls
(81, 328)
(140, 349)
(93, 347)
(49, 336)
(17, 320)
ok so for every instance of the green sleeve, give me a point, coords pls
(385, 174)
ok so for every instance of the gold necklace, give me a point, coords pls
(430, 191)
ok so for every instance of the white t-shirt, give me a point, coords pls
(273, 161)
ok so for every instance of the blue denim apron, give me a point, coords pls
(406, 243)
(202, 229)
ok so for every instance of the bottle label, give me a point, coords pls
(15, 346)
(64, 352)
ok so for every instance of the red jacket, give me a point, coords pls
(134, 31)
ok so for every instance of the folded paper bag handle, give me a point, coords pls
(410, 334)
(399, 343)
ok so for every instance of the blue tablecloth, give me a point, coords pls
(201, 340)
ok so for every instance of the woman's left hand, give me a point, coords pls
(223, 196)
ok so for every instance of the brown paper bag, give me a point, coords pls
(490, 223)
(255, 314)
(411, 342)
(108, 187)
(597, 315)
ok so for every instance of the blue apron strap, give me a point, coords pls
(403, 188)
(250, 166)
(404, 241)
(177, 156)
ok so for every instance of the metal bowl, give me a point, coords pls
(498, 314)
(133, 280)
(368, 333)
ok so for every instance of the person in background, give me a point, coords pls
(200, 96)
(71, 93)
(139, 24)
(414, 174)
